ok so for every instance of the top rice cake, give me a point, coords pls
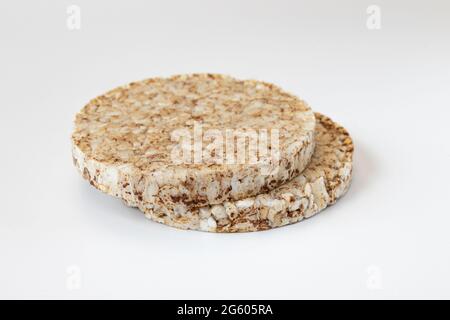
(175, 140)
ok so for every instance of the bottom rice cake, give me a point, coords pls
(325, 180)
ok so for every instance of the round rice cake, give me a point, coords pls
(326, 179)
(125, 141)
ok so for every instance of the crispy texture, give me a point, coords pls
(122, 139)
(326, 179)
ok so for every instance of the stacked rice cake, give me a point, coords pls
(127, 144)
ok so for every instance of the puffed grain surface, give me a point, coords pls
(122, 139)
(326, 179)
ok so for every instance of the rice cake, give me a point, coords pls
(123, 143)
(326, 179)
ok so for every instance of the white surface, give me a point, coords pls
(388, 238)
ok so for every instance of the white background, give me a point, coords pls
(389, 237)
